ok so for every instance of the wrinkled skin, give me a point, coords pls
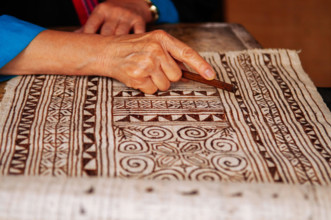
(114, 17)
(147, 62)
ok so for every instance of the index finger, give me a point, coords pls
(183, 53)
(139, 27)
(93, 23)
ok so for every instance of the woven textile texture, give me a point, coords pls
(45, 198)
(275, 128)
(263, 152)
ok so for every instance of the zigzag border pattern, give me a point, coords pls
(89, 154)
(297, 111)
(272, 168)
(22, 142)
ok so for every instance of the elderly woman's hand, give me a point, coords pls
(114, 17)
(148, 61)
(143, 61)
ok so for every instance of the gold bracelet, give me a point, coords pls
(153, 9)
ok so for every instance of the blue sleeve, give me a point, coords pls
(15, 35)
(167, 11)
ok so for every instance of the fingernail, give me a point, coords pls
(209, 74)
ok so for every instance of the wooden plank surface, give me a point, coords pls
(211, 36)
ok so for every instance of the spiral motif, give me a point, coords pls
(137, 165)
(157, 133)
(168, 175)
(231, 163)
(221, 145)
(132, 147)
(192, 133)
(205, 175)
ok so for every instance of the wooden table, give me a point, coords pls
(212, 36)
(201, 37)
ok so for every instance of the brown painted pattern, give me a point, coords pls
(89, 154)
(271, 113)
(180, 134)
(272, 168)
(57, 134)
(296, 109)
(22, 145)
(95, 126)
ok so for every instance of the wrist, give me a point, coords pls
(73, 53)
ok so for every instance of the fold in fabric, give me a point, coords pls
(50, 198)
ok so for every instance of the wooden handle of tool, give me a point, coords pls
(219, 84)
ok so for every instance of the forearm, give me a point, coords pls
(142, 61)
(55, 52)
